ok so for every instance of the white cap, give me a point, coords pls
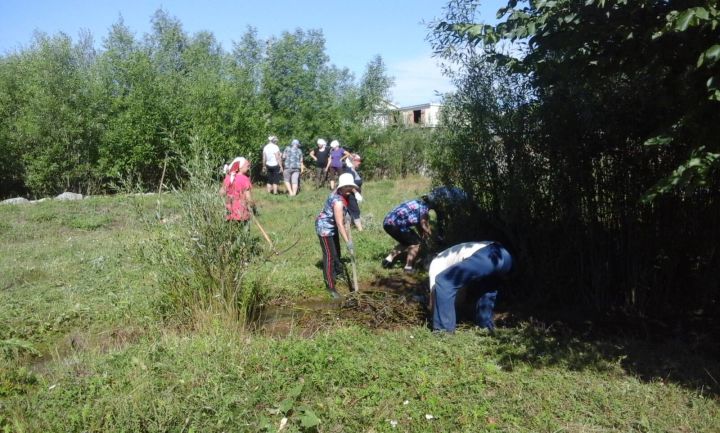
(272, 139)
(240, 163)
(346, 179)
(334, 143)
(321, 142)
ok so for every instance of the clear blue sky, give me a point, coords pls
(355, 31)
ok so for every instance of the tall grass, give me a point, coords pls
(202, 260)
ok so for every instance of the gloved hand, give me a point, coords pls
(358, 197)
(254, 210)
(351, 247)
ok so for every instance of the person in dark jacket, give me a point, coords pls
(351, 166)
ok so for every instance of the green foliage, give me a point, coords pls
(75, 119)
(202, 258)
(595, 132)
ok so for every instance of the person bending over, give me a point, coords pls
(407, 224)
(479, 264)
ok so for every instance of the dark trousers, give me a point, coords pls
(321, 176)
(353, 208)
(332, 266)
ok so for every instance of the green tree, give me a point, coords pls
(375, 86)
(621, 109)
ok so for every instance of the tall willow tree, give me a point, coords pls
(56, 125)
(298, 83)
(621, 174)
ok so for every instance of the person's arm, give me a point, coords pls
(345, 154)
(327, 166)
(312, 155)
(425, 226)
(250, 203)
(264, 160)
(279, 160)
(339, 213)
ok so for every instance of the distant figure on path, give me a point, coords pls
(294, 166)
(335, 163)
(321, 155)
(272, 164)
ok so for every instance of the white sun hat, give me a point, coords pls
(346, 179)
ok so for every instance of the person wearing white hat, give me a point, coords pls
(334, 165)
(321, 155)
(330, 226)
(272, 164)
(236, 189)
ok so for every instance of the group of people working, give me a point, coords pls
(478, 265)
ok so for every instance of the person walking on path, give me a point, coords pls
(272, 163)
(330, 226)
(236, 189)
(352, 163)
(334, 165)
(294, 166)
(399, 224)
(482, 263)
(321, 155)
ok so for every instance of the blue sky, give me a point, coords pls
(355, 31)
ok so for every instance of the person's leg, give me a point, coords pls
(334, 173)
(268, 174)
(327, 245)
(340, 268)
(294, 181)
(484, 310)
(412, 254)
(396, 234)
(286, 178)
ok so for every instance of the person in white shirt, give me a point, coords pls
(457, 267)
(272, 164)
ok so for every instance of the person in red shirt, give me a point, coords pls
(236, 189)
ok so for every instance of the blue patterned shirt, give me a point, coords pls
(325, 224)
(407, 215)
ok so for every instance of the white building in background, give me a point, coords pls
(422, 115)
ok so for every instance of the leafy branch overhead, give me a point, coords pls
(670, 48)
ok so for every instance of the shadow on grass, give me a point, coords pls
(689, 360)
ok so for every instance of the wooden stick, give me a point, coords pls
(265, 235)
(352, 262)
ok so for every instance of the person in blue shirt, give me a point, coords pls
(476, 264)
(407, 224)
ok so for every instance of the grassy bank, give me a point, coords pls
(84, 347)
